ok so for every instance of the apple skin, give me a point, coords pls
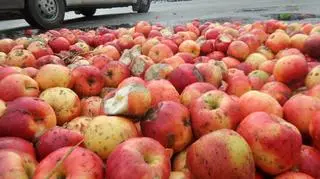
(179, 175)
(278, 91)
(212, 111)
(189, 72)
(298, 41)
(278, 41)
(109, 50)
(238, 49)
(187, 57)
(91, 106)
(81, 163)
(193, 91)
(173, 61)
(210, 73)
(290, 69)
(315, 91)
(18, 144)
(18, 85)
(58, 44)
(162, 90)
(158, 71)
(255, 101)
(115, 72)
(132, 80)
(146, 157)
(100, 61)
(314, 130)
(299, 110)
(313, 77)
(16, 164)
(58, 136)
(268, 66)
(6, 45)
(231, 62)
(159, 52)
(222, 42)
(39, 49)
(191, 47)
(231, 156)
(312, 44)
(266, 52)
(104, 133)
(27, 117)
(48, 59)
(309, 162)
(251, 40)
(287, 52)
(88, 80)
(53, 75)
(148, 45)
(20, 58)
(169, 123)
(264, 132)
(78, 124)
(143, 27)
(64, 102)
(238, 82)
(30, 71)
(257, 79)
(255, 60)
(293, 175)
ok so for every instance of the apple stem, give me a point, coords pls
(59, 163)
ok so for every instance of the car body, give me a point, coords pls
(50, 13)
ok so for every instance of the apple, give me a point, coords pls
(162, 90)
(20, 58)
(158, 71)
(179, 175)
(238, 49)
(260, 34)
(17, 144)
(139, 65)
(266, 52)
(54, 75)
(306, 28)
(293, 175)
(208, 46)
(298, 41)
(238, 82)
(64, 102)
(131, 100)
(91, 106)
(108, 50)
(146, 157)
(293, 28)
(186, 56)
(6, 45)
(231, 156)
(210, 73)
(80, 163)
(278, 91)
(104, 133)
(131, 80)
(264, 132)
(125, 41)
(8, 70)
(173, 46)
(27, 117)
(69, 35)
(255, 60)
(314, 130)
(80, 47)
(311, 45)
(39, 49)
(222, 42)
(202, 59)
(148, 45)
(309, 161)
(278, 41)
(59, 44)
(189, 71)
(313, 77)
(179, 162)
(251, 40)
(143, 27)
(173, 61)
(114, 72)
(104, 38)
(30, 71)
(159, 52)
(191, 47)
(212, 111)
(299, 111)
(48, 59)
(18, 85)
(315, 91)
(287, 52)
(257, 79)
(154, 33)
(245, 67)
(3, 107)
(58, 136)
(193, 91)
(168, 122)
(139, 40)
(268, 66)
(78, 124)
(230, 62)
(212, 33)
(88, 80)
(180, 28)
(314, 30)
(3, 58)
(100, 61)
(290, 69)
(16, 165)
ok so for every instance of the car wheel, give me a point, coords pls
(88, 12)
(45, 14)
(142, 6)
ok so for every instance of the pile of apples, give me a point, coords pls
(196, 101)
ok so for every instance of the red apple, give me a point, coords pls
(212, 33)
(208, 46)
(293, 175)
(313, 77)
(162, 90)
(315, 91)
(30, 71)
(264, 132)
(8, 70)
(298, 41)
(148, 45)
(231, 62)
(255, 60)
(314, 130)
(48, 59)
(268, 66)
(238, 82)
(159, 52)
(158, 71)
(257, 79)
(210, 73)
(59, 44)
(212, 111)
(187, 57)
(309, 162)
(17, 144)
(173, 61)
(173, 46)
(278, 41)
(311, 45)
(143, 27)
(191, 47)
(222, 42)
(108, 50)
(6, 45)
(145, 155)
(193, 91)
(226, 148)
(39, 49)
(27, 117)
(238, 49)
(20, 58)
(81, 163)
(131, 80)
(91, 106)
(278, 91)
(115, 72)
(287, 52)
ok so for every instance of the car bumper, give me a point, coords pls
(11, 4)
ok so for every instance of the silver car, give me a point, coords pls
(50, 13)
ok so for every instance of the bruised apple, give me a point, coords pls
(162, 90)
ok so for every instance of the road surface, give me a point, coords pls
(172, 13)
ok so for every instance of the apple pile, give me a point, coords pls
(197, 101)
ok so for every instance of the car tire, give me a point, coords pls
(45, 14)
(88, 12)
(142, 6)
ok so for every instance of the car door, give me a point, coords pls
(102, 2)
(74, 3)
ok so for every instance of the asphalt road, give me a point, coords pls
(172, 13)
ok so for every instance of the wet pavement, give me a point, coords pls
(172, 13)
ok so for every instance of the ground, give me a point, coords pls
(172, 13)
